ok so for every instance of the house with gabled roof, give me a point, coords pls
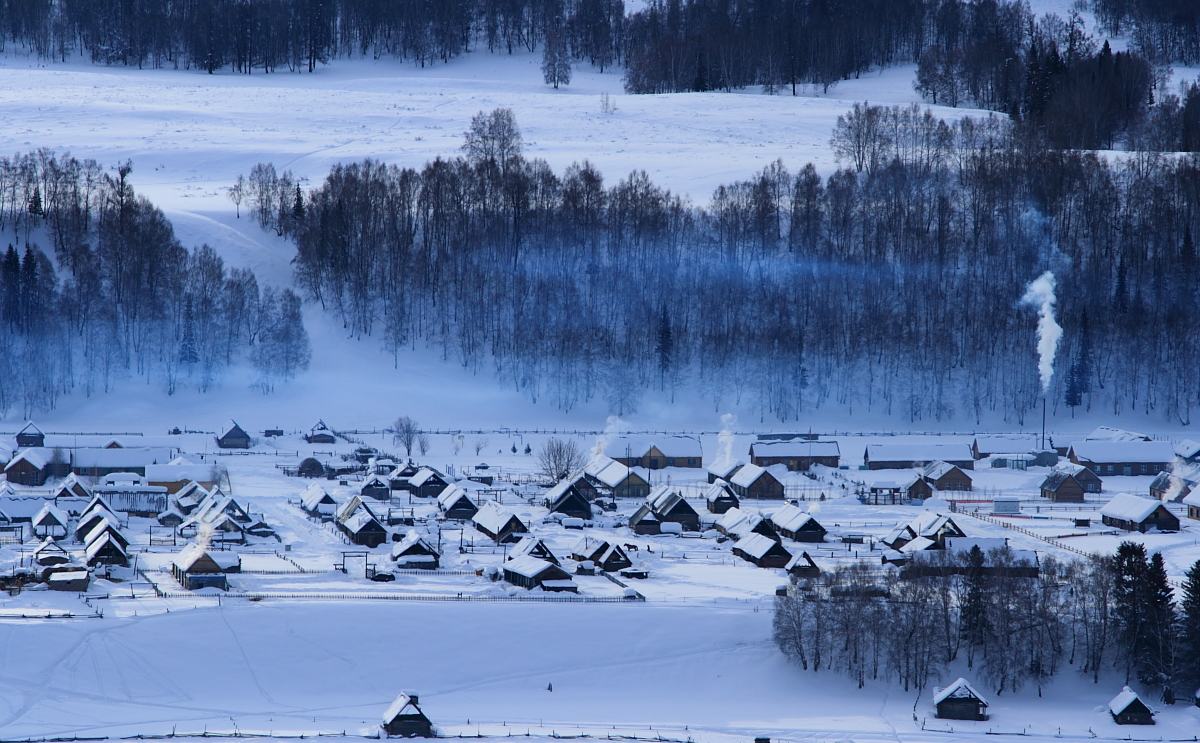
(317, 502)
(72, 487)
(531, 545)
(738, 523)
(762, 551)
(719, 497)
(798, 525)
(614, 479)
(987, 445)
(797, 454)
(1135, 513)
(567, 498)
(234, 437)
(669, 505)
(934, 527)
(656, 452)
(802, 566)
(404, 719)
(959, 701)
(1121, 457)
(723, 469)
(427, 483)
(414, 552)
(946, 477)
(106, 549)
(196, 567)
(377, 487)
(320, 434)
(1061, 487)
(607, 556)
(499, 524)
(29, 436)
(1127, 708)
(50, 522)
(529, 572)
(50, 552)
(757, 483)
(29, 467)
(456, 504)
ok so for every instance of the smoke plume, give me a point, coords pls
(1040, 294)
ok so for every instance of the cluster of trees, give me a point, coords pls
(271, 35)
(1162, 30)
(114, 294)
(890, 285)
(1116, 612)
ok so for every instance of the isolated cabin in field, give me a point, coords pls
(670, 506)
(404, 719)
(737, 523)
(195, 567)
(719, 497)
(529, 572)
(1003, 443)
(234, 437)
(1088, 480)
(656, 453)
(427, 483)
(959, 701)
(758, 483)
(608, 557)
(377, 487)
(414, 552)
(909, 456)
(456, 504)
(29, 436)
(802, 566)
(499, 524)
(320, 434)
(797, 454)
(1062, 487)
(29, 467)
(567, 498)
(946, 477)
(1134, 513)
(50, 522)
(1127, 708)
(317, 502)
(531, 545)
(610, 477)
(797, 525)
(762, 551)
(1126, 458)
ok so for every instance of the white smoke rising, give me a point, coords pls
(1175, 489)
(613, 426)
(204, 535)
(1040, 294)
(725, 441)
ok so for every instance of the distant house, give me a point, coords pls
(500, 525)
(891, 489)
(755, 482)
(797, 525)
(455, 504)
(1134, 513)
(802, 566)
(1136, 457)
(72, 487)
(29, 436)
(50, 522)
(179, 472)
(1188, 450)
(656, 453)
(427, 483)
(608, 557)
(723, 469)
(414, 552)
(50, 552)
(234, 437)
(797, 454)
(959, 701)
(719, 497)
(29, 467)
(70, 579)
(106, 460)
(196, 567)
(1003, 443)
(1192, 501)
(105, 549)
(359, 523)
(377, 487)
(946, 477)
(1127, 708)
(909, 456)
(531, 545)
(399, 476)
(737, 524)
(935, 527)
(615, 479)
(667, 505)
(320, 434)
(317, 502)
(1062, 487)
(1172, 486)
(569, 499)
(529, 572)
(762, 551)
(404, 719)
(1088, 480)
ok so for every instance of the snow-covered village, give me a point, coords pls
(678, 371)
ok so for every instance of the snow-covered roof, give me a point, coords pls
(718, 489)
(528, 566)
(101, 527)
(884, 479)
(722, 467)
(560, 488)
(50, 515)
(1069, 467)
(315, 495)
(411, 539)
(492, 517)
(1121, 701)
(638, 446)
(939, 469)
(756, 545)
(188, 557)
(1108, 433)
(1192, 498)
(1129, 507)
(421, 477)
(360, 519)
(103, 458)
(451, 495)
(607, 470)
(1134, 450)
(48, 546)
(179, 472)
(98, 544)
(401, 705)
(790, 518)
(918, 452)
(1188, 449)
(664, 498)
(38, 456)
(960, 689)
(30, 428)
(797, 448)
(749, 474)
(917, 544)
(1006, 443)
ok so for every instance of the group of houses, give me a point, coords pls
(961, 701)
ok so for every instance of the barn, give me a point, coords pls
(908, 456)
(1134, 513)
(567, 498)
(797, 454)
(529, 572)
(404, 719)
(719, 497)
(414, 552)
(500, 525)
(762, 551)
(234, 437)
(755, 482)
(797, 525)
(959, 701)
(946, 477)
(1127, 708)
(1062, 487)
(1126, 458)
(455, 504)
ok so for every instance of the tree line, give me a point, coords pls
(1115, 613)
(94, 287)
(890, 285)
(1162, 30)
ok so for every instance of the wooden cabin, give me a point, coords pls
(614, 479)
(456, 504)
(656, 453)
(758, 483)
(106, 549)
(30, 436)
(960, 701)
(196, 567)
(234, 437)
(719, 497)
(988, 445)
(318, 503)
(29, 467)
(569, 498)
(802, 566)
(427, 483)
(1125, 458)
(320, 434)
(377, 487)
(909, 456)
(1134, 513)
(404, 719)
(737, 523)
(414, 552)
(608, 557)
(531, 545)
(670, 506)
(946, 477)
(50, 522)
(498, 524)
(529, 572)
(1062, 487)
(1192, 502)
(797, 525)
(797, 454)
(723, 470)
(1127, 708)
(762, 551)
